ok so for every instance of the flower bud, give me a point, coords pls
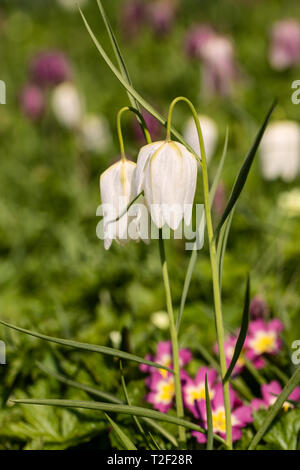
(116, 187)
(285, 44)
(32, 102)
(167, 173)
(95, 133)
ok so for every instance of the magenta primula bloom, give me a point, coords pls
(164, 357)
(241, 415)
(269, 395)
(50, 68)
(162, 391)
(193, 390)
(285, 44)
(263, 337)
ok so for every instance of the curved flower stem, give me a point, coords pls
(119, 128)
(213, 261)
(174, 341)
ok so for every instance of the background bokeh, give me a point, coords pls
(55, 276)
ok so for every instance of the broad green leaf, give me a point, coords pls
(244, 171)
(243, 333)
(125, 409)
(275, 408)
(210, 435)
(88, 347)
(122, 436)
(283, 434)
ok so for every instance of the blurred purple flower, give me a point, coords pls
(219, 203)
(258, 308)
(219, 66)
(132, 17)
(32, 101)
(50, 68)
(161, 15)
(153, 125)
(269, 395)
(285, 44)
(196, 38)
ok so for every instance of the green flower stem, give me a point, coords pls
(213, 261)
(119, 128)
(174, 341)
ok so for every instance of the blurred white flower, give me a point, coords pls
(160, 320)
(280, 151)
(71, 5)
(167, 173)
(289, 202)
(116, 187)
(95, 133)
(209, 131)
(115, 337)
(67, 105)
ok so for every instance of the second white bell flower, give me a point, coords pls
(167, 173)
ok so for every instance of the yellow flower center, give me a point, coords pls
(195, 393)
(167, 390)
(167, 362)
(264, 342)
(219, 422)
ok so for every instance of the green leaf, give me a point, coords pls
(243, 333)
(88, 347)
(125, 409)
(244, 171)
(274, 410)
(210, 435)
(222, 245)
(106, 396)
(284, 432)
(129, 445)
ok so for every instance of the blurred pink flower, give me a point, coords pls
(32, 101)
(241, 415)
(132, 18)
(163, 356)
(219, 203)
(285, 44)
(161, 15)
(263, 337)
(50, 68)
(194, 389)
(219, 66)
(269, 395)
(258, 308)
(196, 38)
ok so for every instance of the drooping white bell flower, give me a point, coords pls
(280, 151)
(116, 188)
(209, 131)
(67, 105)
(95, 133)
(167, 173)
